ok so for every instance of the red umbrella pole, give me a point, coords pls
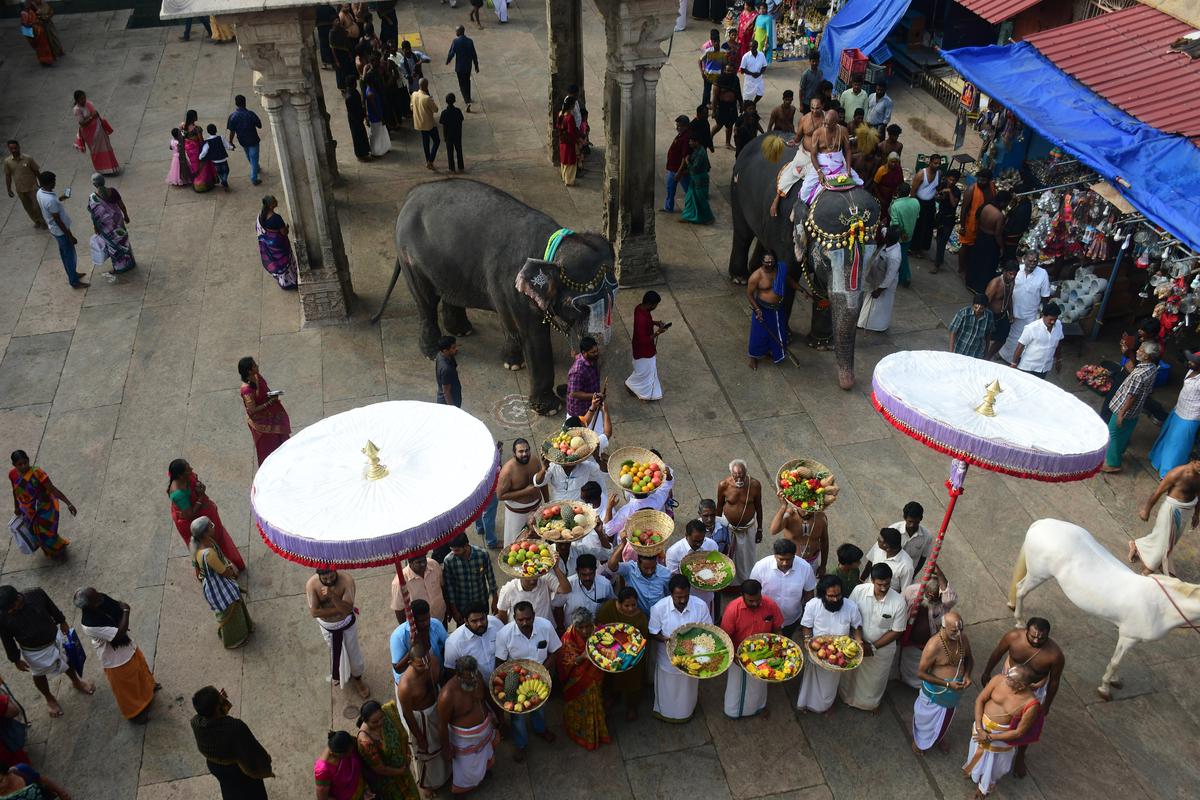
(954, 486)
(408, 615)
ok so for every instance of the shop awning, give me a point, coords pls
(996, 11)
(1155, 171)
(1126, 58)
(861, 24)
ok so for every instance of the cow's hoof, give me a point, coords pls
(514, 367)
(1116, 683)
(1104, 695)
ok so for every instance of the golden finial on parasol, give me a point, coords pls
(375, 470)
(987, 407)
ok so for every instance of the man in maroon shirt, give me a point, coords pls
(644, 383)
(677, 154)
(747, 615)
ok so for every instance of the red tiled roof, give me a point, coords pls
(1126, 58)
(996, 11)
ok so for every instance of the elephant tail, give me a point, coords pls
(386, 297)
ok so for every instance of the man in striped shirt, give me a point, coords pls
(971, 330)
(1127, 403)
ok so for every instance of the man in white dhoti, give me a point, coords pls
(888, 550)
(884, 617)
(739, 506)
(656, 500)
(1004, 711)
(938, 598)
(827, 614)
(788, 580)
(883, 274)
(30, 625)
(467, 727)
(675, 694)
(830, 156)
(416, 696)
(754, 63)
(694, 541)
(515, 489)
(945, 672)
(501, 7)
(644, 383)
(331, 602)
(1181, 487)
(1030, 288)
(747, 615)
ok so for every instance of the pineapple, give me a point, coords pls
(511, 683)
(568, 517)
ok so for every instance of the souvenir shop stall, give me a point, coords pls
(791, 29)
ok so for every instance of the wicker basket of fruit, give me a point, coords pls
(770, 657)
(636, 470)
(520, 686)
(527, 558)
(616, 647)
(700, 650)
(806, 484)
(570, 446)
(565, 522)
(649, 531)
(835, 653)
(707, 570)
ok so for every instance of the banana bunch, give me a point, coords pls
(533, 688)
(848, 646)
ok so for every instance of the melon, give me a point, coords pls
(577, 442)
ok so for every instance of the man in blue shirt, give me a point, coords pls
(462, 52)
(647, 577)
(430, 632)
(244, 124)
(449, 388)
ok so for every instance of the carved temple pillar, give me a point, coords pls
(636, 30)
(564, 27)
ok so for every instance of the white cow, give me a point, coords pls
(1143, 607)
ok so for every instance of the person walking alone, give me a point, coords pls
(243, 127)
(462, 53)
(451, 120)
(22, 172)
(234, 756)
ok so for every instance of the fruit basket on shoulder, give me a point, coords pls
(527, 558)
(570, 446)
(649, 531)
(520, 686)
(700, 650)
(616, 647)
(770, 657)
(838, 648)
(632, 469)
(565, 521)
(808, 485)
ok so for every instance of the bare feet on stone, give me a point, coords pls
(360, 686)
(84, 686)
(54, 708)
(943, 745)
(916, 750)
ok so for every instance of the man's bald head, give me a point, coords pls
(1021, 674)
(831, 118)
(952, 622)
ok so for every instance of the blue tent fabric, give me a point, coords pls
(862, 24)
(1161, 168)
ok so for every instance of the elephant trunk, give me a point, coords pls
(845, 323)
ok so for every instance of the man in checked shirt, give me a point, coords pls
(468, 577)
(1127, 403)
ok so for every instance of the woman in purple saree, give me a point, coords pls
(274, 246)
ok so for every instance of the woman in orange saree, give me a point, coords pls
(265, 415)
(583, 701)
(35, 32)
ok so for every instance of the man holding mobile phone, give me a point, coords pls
(59, 225)
(644, 383)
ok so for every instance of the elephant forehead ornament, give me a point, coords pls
(540, 279)
(836, 222)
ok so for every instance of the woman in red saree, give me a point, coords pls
(887, 178)
(583, 701)
(568, 141)
(745, 32)
(93, 136)
(35, 33)
(265, 414)
(188, 501)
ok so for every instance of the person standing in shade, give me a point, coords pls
(947, 200)
(356, 118)
(468, 578)
(54, 213)
(425, 112)
(106, 622)
(568, 140)
(696, 207)
(242, 128)
(1038, 346)
(330, 596)
(924, 187)
(989, 242)
(854, 98)
(1127, 403)
(971, 330)
(879, 108)
(216, 152)
(21, 180)
(904, 212)
(644, 383)
(1174, 444)
(810, 81)
(451, 120)
(676, 155)
(1029, 288)
(449, 388)
(234, 756)
(30, 624)
(973, 200)
(783, 116)
(462, 53)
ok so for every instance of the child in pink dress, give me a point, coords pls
(178, 174)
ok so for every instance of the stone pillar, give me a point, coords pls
(279, 46)
(636, 31)
(564, 26)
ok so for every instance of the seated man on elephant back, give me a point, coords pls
(818, 168)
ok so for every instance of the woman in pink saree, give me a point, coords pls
(204, 173)
(265, 414)
(745, 32)
(93, 136)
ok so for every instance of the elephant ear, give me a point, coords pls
(538, 280)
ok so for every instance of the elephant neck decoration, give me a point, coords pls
(855, 226)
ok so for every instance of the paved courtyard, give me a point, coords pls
(105, 386)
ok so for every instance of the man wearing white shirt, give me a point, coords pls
(588, 590)
(787, 580)
(475, 638)
(538, 592)
(693, 541)
(827, 614)
(531, 637)
(916, 540)
(752, 66)
(1037, 347)
(656, 500)
(1030, 287)
(887, 550)
(675, 693)
(885, 615)
(565, 482)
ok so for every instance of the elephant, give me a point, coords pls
(813, 243)
(471, 245)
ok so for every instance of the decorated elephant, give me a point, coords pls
(826, 247)
(466, 244)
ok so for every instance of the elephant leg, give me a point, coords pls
(512, 354)
(426, 297)
(740, 246)
(539, 355)
(820, 335)
(454, 320)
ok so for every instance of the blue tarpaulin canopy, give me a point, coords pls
(861, 24)
(1161, 169)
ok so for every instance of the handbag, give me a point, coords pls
(22, 533)
(14, 731)
(76, 657)
(27, 31)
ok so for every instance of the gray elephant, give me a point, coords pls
(828, 248)
(466, 244)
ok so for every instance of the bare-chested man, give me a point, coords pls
(807, 529)
(331, 602)
(739, 504)
(1000, 301)
(989, 242)
(515, 489)
(765, 290)
(830, 154)
(417, 696)
(808, 125)
(801, 164)
(1181, 487)
(467, 726)
(1033, 648)
(1005, 711)
(945, 672)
